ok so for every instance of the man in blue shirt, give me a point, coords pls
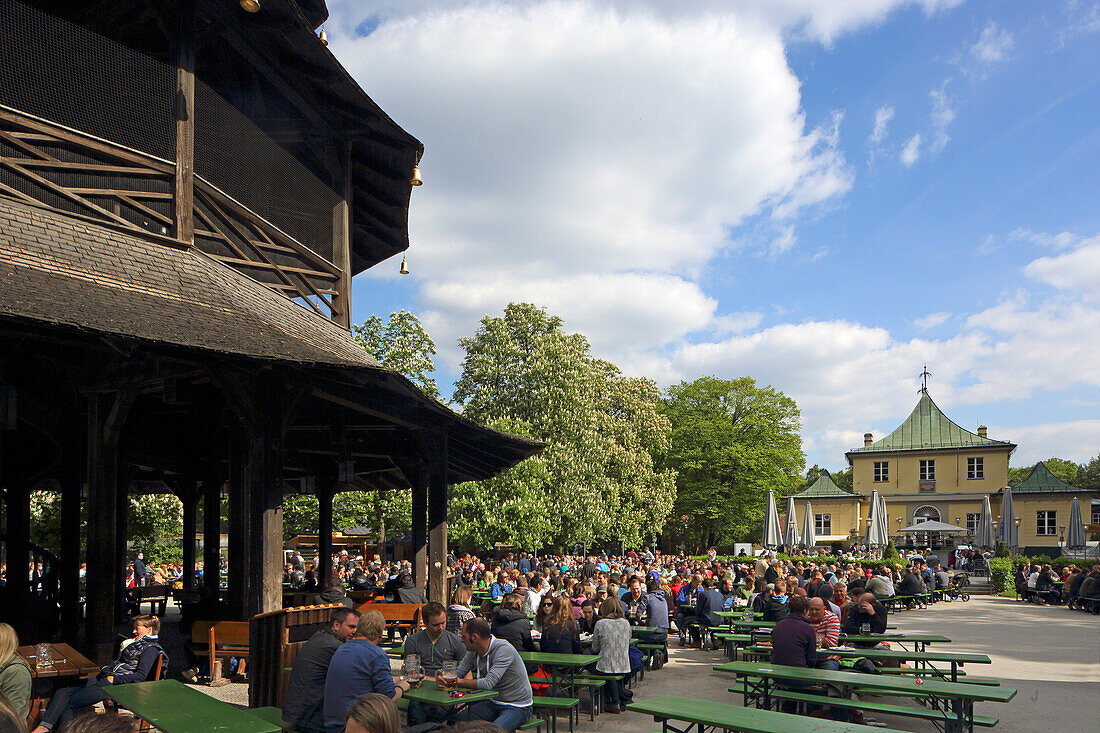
(359, 666)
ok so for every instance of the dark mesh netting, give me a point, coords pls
(69, 75)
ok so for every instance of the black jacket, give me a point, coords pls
(775, 610)
(513, 627)
(910, 585)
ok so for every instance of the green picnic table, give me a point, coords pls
(701, 715)
(173, 707)
(430, 694)
(919, 641)
(955, 659)
(957, 697)
(563, 668)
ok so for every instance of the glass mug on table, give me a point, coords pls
(43, 656)
(865, 629)
(820, 639)
(411, 671)
(448, 675)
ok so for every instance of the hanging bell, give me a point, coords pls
(324, 37)
(404, 266)
(416, 180)
(251, 6)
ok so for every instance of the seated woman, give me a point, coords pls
(559, 628)
(15, 675)
(135, 663)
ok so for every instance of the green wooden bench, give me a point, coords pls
(570, 705)
(729, 717)
(652, 650)
(908, 711)
(533, 724)
(594, 687)
(273, 716)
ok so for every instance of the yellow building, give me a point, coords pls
(930, 468)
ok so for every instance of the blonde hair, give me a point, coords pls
(7, 710)
(375, 713)
(462, 596)
(371, 625)
(9, 643)
(611, 607)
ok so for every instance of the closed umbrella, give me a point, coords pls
(983, 533)
(772, 536)
(809, 532)
(884, 524)
(1010, 534)
(875, 532)
(1075, 531)
(790, 530)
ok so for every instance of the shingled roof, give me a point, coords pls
(71, 273)
(1042, 481)
(825, 488)
(927, 428)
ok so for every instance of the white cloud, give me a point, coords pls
(931, 320)
(1076, 270)
(1061, 240)
(1076, 440)
(883, 115)
(993, 45)
(910, 154)
(943, 114)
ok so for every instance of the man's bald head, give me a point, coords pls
(816, 610)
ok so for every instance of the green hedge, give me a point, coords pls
(1002, 570)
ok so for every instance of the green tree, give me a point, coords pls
(731, 442)
(403, 345)
(155, 526)
(602, 430)
(351, 509)
(1089, 475)
(1060, 467)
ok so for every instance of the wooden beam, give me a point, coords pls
(184, 178)
(418, 478)
(436, 449)
(341, 246)
(324, 529)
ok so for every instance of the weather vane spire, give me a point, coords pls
(924, 379)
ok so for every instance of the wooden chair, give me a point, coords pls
(226, 639)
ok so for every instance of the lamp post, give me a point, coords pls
(1062, 535)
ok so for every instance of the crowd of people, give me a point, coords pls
(1043, 585)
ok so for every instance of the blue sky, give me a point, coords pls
(821, 196)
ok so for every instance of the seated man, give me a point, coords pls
(911, 585)
(864, 610)
(433, 645)
(407, 592)
(653, 611)
(707, 608)
(135, 663)
(496, 666)
(827, 630)
(358, 666)
(880, 584)
(943, 580)
(303, 703)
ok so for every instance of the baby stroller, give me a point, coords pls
(957, 589)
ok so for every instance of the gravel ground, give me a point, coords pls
(1051, 655)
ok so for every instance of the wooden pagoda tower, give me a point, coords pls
(186, 191)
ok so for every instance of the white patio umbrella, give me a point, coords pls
(983, 533)
(1009, 533)
(790, 529)
(884, 525)
(772, 536)
(875, 530)
(1075, 530)
(809, 532)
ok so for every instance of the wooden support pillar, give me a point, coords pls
(106, 413)
(341, 246)
(19, 538)
(325, 493)
(189, 495)
(418, 477)
(212, 528)
(437, 518)
(266, 502)
(240, 527)
(184, 179)
(71, 488)
(123, 557)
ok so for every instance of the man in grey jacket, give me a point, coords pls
(496, 666)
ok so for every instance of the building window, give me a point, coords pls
(823, 524)
(972, 522)
(928, 470)
(882, 472)
(1045, 523)
(975, 468)
(1096, 514)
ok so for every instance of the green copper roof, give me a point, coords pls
(927, 428)
(1041, 481)
(824, 488)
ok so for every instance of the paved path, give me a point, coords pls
(1051, 655)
